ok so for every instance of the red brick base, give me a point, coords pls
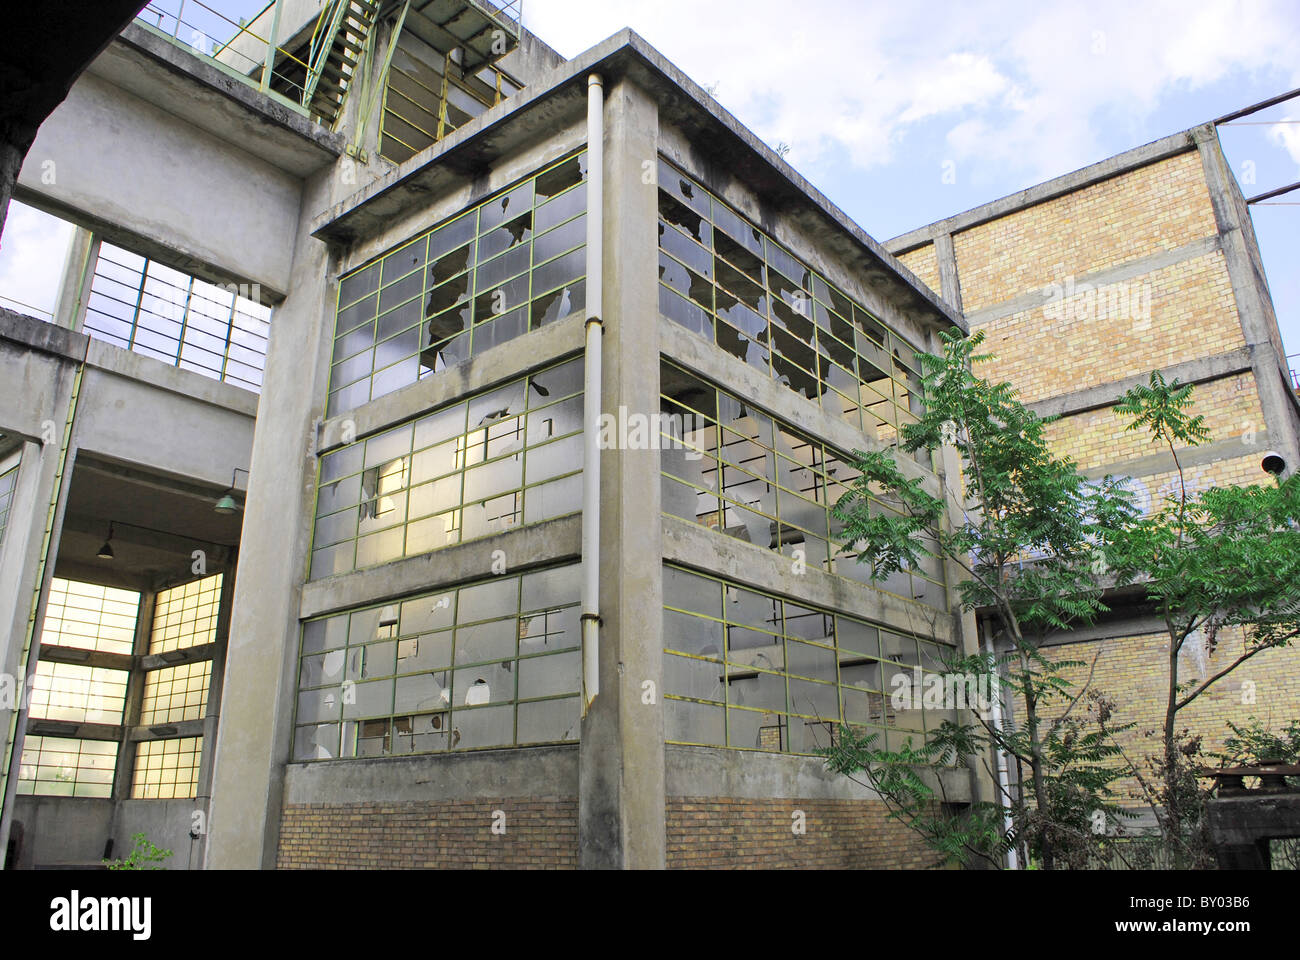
(540, 832)
(729, 832)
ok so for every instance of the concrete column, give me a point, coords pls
(258, 686)
(949, 280)
(74, 290)
(211, 722)
(621, 759)
(24, 549)
(1254, 304)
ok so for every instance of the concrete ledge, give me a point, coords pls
(1099, 278)
(711, 362)
(531, 546)
(692, 545)
(1142, 156)
(469, 775)
(156, 68)
(757, 775)
(504, 362)
(1108, 394)
(36, 334)
(113, 359)
(1188, 457)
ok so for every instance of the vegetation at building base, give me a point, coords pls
(1035, 543)
(1226, 559)
(145, 855)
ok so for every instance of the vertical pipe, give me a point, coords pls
(591, 390)
(1004, 775)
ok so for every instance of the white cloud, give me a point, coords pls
(1026, 86)
(32, 253)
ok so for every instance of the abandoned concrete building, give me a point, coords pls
(428, 460)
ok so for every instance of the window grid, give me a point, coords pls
(88, 616)
(722, 277)
(167, 769)
(506, 266)
(78, 693)
(186, 615)
(492, 664)
(748, 670)
(502, 458)
(175, 694)
(146, 307)
(8, 479)
(61, 767)
(758, 479)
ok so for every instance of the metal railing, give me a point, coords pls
(191, 23)
(1292, 363)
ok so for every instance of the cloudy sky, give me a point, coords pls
(879, 100)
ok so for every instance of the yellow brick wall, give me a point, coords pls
(925, 264)
(1158, 207)
(1097, 438)
(1182, 312)
(1133, 672)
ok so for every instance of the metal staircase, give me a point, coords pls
(335, 51)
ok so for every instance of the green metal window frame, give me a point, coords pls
(167, 769)
(768, 616)
(334, 646)
(90, 616)
(8, 480)
(442, 464)
(147, 307)
(723, 277)
(824, 475)
(505, 266)
(67, 767)
(78, 693)
(175, 694)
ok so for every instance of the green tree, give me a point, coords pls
(1225, 558)
(1031, 537)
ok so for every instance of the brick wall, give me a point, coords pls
(1133, 672)
(540, 833)
(738, 833)
(1161, 206)
(925, 264)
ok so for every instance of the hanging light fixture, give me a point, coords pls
(228, 504)
(106, 551)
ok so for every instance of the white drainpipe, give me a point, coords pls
(1004, 774)
(591, 390)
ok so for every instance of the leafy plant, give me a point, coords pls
(143, 856)
(1028, 533)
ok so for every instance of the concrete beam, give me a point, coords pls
(1121, 163)
(1201, 370)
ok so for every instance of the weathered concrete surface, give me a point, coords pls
(62, 831)
(621, 801)
(138, 175)
(749, 774)
(1241, 826)
(521, 772)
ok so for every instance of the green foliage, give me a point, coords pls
(144, 856)
(1031, 535)
(1208, 560)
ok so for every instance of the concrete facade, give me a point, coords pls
(350, 721)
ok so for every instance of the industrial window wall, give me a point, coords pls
(509, 265)
(103, 620)
(493, 664)
(143, 306)
(503, 458)
(727, 280)
(753, 671)
(736, 469)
